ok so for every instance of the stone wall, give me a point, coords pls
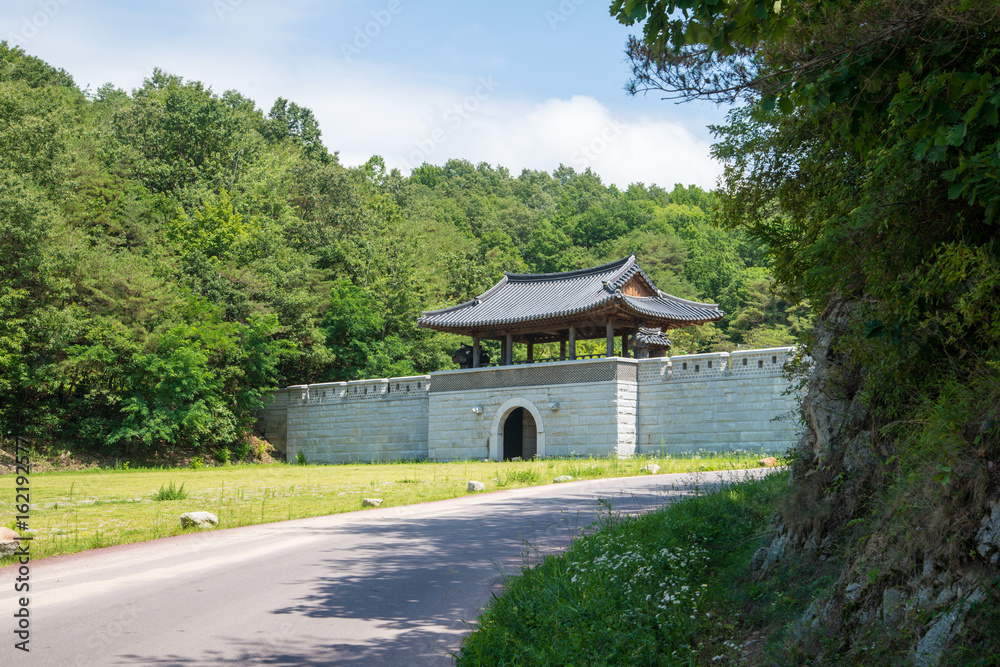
(571, 418)
(368, 420)
(717, 402)
(593, 407)
(272, 422)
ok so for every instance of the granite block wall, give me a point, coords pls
(597, 407)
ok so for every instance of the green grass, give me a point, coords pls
(657, 589)
(75, 511)
(170, 493)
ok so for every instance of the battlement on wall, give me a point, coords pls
(716, 365)
(717, 401)
(414, 386)
(713, 365)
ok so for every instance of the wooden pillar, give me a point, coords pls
(509, 349)
(475, 352)
(572, 342)
(531, 352)
(611, 338)
(625, 345)
(562, 350)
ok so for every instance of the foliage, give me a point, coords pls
(859, 162)
(638, 590)
(863, 163)
(172, 254)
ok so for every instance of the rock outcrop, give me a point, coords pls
(199, 520)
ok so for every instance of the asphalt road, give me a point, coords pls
(388, 586)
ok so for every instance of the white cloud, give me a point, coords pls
(579, 132)
(364, 109)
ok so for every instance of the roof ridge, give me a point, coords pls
(474, 301)
(686, 302)
(624, 274)
(576, 273)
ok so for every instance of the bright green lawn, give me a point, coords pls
(74, 511)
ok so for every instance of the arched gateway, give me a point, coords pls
(517, 431)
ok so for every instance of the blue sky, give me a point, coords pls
(520, 84)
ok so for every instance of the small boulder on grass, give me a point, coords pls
(768, 462)
(199, 520)
(371, 502)
(8, 541)
(563, 478)
(476, 486)
(651, 468)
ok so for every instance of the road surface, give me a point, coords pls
(388, 586)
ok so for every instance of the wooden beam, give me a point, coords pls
(625, 345)
(531, 352)
(572, 342)
(475, 352)
(509, 349)
(562, 350)
(610, 332)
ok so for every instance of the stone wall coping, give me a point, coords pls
(695, 357)
(364, 383)
(600, 360)
(546, 387)
(763, 351)
(547, 364)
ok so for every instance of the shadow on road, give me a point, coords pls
(411, 588)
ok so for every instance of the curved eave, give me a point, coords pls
(680, 314)
(479, 325)
(645, 308)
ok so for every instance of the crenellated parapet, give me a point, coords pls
(414, 386)
(717, 401)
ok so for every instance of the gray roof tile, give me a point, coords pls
(520, 299)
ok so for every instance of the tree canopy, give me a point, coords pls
(173, 255)
(862, 159)
(864, 156)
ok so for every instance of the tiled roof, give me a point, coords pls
(652, 337)
(520, 299)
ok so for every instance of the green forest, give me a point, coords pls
(862, 152)
(173, 255)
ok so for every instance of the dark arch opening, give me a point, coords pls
(520, 436)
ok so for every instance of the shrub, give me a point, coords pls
(171, 493)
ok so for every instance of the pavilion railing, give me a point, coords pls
(550, 359)
(526, 375)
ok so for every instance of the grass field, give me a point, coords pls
(75, 511)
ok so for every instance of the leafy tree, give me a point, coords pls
(202, 383)
(287, 120)
(174, 135)
(16, 65)
(215, 230)
(356, 334)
